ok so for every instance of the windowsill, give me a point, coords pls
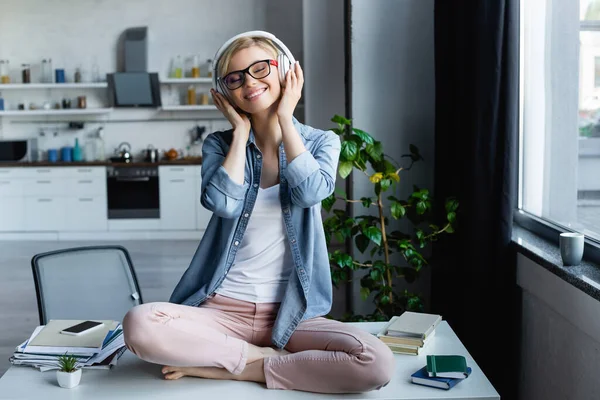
(585, 276)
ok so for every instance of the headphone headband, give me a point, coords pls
(261, 34)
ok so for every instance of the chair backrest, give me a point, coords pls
(94, 282)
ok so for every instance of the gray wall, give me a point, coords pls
(560, 337)
(324, 90)
(393, 90)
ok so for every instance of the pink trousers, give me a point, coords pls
(327, 356)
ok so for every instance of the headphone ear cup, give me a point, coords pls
(284, 66)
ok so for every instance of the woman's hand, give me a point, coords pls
(239, 121)
(291, 93)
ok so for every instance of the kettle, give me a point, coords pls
(123, 152)
(151, 154)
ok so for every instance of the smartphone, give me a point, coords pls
(84, 327)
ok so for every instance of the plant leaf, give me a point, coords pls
(362, 242)
(451, 217)
(374, 274)
(345, 168)
(364, 293)
(349, 150)
(398, 211)
(338, 119)
(385, 184)
(366, 201)
(328, 202)
(394, 176)
(421, 207)
(373, 233)
(375, 151)
(365, 137)
(451, 205)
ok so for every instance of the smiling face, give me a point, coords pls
(255, 95)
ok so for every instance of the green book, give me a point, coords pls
(447, 366)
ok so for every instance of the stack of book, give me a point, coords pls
(98, 349)
(442, 371)
(410, 332)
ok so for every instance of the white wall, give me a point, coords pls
(560, 337)
(77, 32)
(393, 88)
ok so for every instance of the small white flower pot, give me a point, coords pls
(68, 380)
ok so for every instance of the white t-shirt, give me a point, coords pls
(263, 262)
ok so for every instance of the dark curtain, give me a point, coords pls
(476, 141)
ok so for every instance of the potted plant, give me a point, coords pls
(371, 233)
(68, 376)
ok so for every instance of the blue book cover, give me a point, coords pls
(421, 377)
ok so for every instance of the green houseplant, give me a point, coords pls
(371, 232)
(68, 375)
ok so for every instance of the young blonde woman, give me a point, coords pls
(251, 304)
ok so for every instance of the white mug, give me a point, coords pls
(571, 247)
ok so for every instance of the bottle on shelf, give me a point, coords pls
(1, 102)
(95, 71)
(100, 145)
(195, 67)
(4, 71)
(90, 149)
(46, 71)
(191, 95)
(208, 68)
(177, 71)
(26, 73)
(77, 154)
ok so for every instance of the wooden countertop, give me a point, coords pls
(187, 161)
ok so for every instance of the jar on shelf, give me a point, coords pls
(46, 70)
(195, 67)
(26, 73)
(204, 99)
(4, 71)
(191, 95)
(177, 69)
(209, 71)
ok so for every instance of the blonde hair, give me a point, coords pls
(244, 43)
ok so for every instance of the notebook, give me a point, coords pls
(412, 324)
(447, 366)
(50, 335)
(422, 378)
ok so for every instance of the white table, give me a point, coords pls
(133, 378)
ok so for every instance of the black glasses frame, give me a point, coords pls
(247, 71)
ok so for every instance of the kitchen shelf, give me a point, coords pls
(73, 111)
(186, 80)
(9, 86)
(209, 107)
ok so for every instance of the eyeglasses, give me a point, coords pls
(257, 70)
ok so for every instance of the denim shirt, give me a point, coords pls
(304, 183)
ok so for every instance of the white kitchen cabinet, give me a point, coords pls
(202, 214)
(86, 214)
(177, 192)
(12, 214)
(11, 187)
(45, 213)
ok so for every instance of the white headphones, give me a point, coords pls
(285, 59)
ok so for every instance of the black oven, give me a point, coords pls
(132, 192)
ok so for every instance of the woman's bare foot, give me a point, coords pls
(252, 372)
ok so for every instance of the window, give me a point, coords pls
(560, 113)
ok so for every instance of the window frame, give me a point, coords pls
(544, 228)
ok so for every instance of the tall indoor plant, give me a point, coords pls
(371, 231)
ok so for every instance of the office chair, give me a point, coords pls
(93, 282)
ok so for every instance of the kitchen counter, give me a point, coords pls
(187, 161)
